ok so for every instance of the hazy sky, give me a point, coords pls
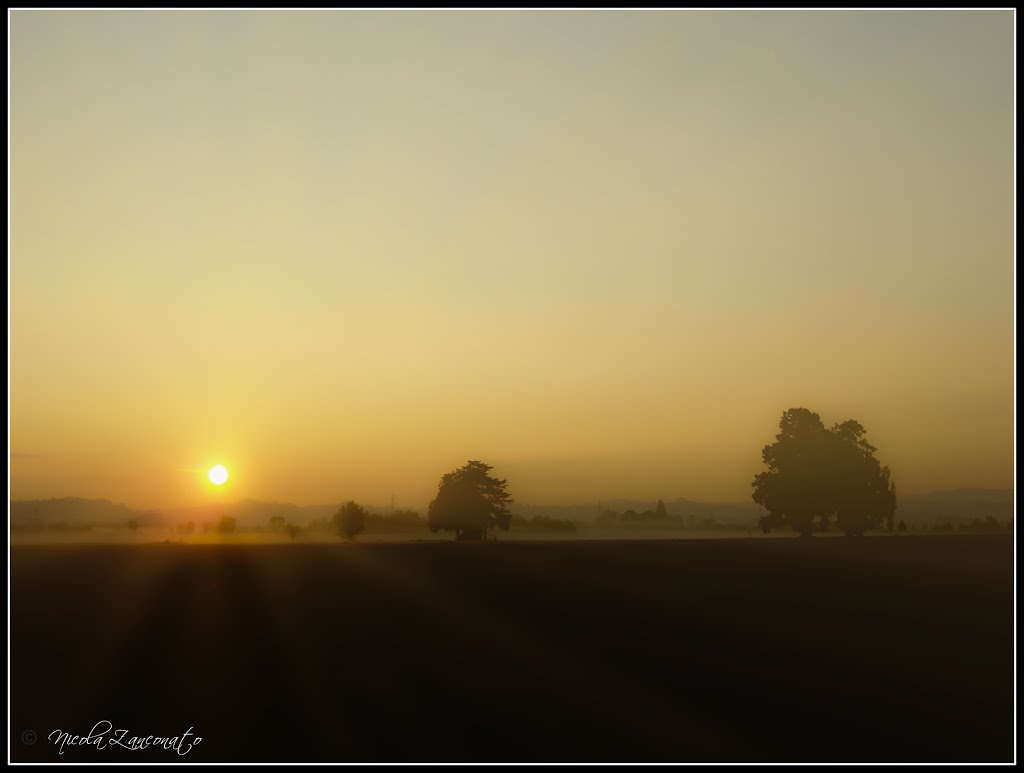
(344, 252)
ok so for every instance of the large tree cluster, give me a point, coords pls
(816, 473)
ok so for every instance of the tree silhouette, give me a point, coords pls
(350, 520)
(794, 489)
(277, 523)
(659, 511)
(292, 530)
(815, 473)
(865, 496)
(469, 502)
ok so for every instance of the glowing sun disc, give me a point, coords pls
(218, 474)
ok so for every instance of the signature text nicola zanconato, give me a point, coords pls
(101, 737)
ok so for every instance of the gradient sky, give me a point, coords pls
(344, 252)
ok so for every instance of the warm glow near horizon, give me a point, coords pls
(346, 252)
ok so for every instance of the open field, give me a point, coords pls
(873, 649)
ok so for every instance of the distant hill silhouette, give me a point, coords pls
(74, 511)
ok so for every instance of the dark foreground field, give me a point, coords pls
(874, 649)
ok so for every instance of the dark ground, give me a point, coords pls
(872, 649)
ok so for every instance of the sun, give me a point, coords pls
(218, 474)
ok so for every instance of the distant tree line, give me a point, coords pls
(658, 514)
(399, 521)
(543, 523)
(976, 525)
(659, 517)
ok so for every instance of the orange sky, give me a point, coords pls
(344, 252)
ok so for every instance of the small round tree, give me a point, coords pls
(226, 525)
(350, 520)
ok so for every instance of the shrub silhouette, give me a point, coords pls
(226, 525)
(350, 520)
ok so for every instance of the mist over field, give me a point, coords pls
(80, 520)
